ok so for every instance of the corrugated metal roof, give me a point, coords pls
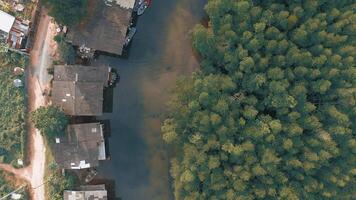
(6, 21)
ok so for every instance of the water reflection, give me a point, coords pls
(160, 52)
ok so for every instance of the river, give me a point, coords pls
(160, 53)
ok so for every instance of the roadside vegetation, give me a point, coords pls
(67, 12)
(50, 120)
(271, 114)
(57, 183)
(13, 109)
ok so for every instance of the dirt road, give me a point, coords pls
(37, 82)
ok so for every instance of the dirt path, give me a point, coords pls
(37, 81)
(23, 173)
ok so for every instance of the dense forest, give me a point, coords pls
(271, 114)
(12, 108)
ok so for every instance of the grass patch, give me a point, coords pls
(4, 186)
(13, 109)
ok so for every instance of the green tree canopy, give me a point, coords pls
(271, 114)
(67, 53)
(67, 12)
(51, 121)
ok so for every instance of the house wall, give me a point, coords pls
(3, 36)
(18, 33)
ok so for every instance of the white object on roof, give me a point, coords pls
(6, 21)
(82, 165)
(128, 4)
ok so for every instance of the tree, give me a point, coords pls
(51, 121)
(67, 53)
(270, 114)
(66, 50)
(67, 12)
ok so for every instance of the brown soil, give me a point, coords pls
(33, 174)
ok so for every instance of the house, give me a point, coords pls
(13, 31)
(104, 29)
(81, 147)
(78, 89)
(89, 192)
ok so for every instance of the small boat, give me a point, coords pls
(137, 5)
(92, 173)
(142, 7)
(130, 35)
(113, 77)
(108, 2)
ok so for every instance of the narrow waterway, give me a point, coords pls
(160, 53)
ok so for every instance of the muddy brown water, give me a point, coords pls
(160, 53)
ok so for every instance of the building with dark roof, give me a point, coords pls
(89, 192)
(78, 90)
(81, 147)
(103, 30)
